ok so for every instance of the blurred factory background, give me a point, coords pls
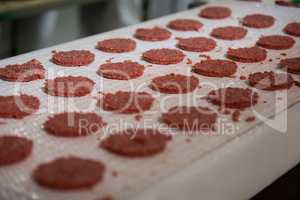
(34, 30)
(27, 25)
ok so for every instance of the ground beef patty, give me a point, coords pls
(73, 58)
(197, 44)
(174, 84)
(286, 3)
(126, 102)
(29, 71)
(136, 142)
(258, 21)
(276, 42)
(117, 45)
(229, 33)
(69, 173)
(121, 70)
(215, 68)
(270, 80)
(291, 65)
(190, 118)
(73, 124)
(19, 106)
(69, 86)
(293, 29)
(163, 56)
(185, 25)
(238, 98)
(215, 12)
(153, 34)
(247, 54)
(14, 149)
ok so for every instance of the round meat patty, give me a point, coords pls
(293, 29)
(174, 84)
(286, 3)
(215, 12)
(153, 34)
(238, 98)
(163, 56)
(270, 81)
(190, 118)
(73, 124)
(73, 58)
(276, 42)
(14, 149)
(215, 68)
(69, 86)
(229, 33)
(69, 173)
(117, 45)
(185, 25)
(126, 102)
(258, 21)
(197, 44)
(18, 107)
(29, 71)
(291, 65)
(121, 70)
(136, 142)
(247, 54)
